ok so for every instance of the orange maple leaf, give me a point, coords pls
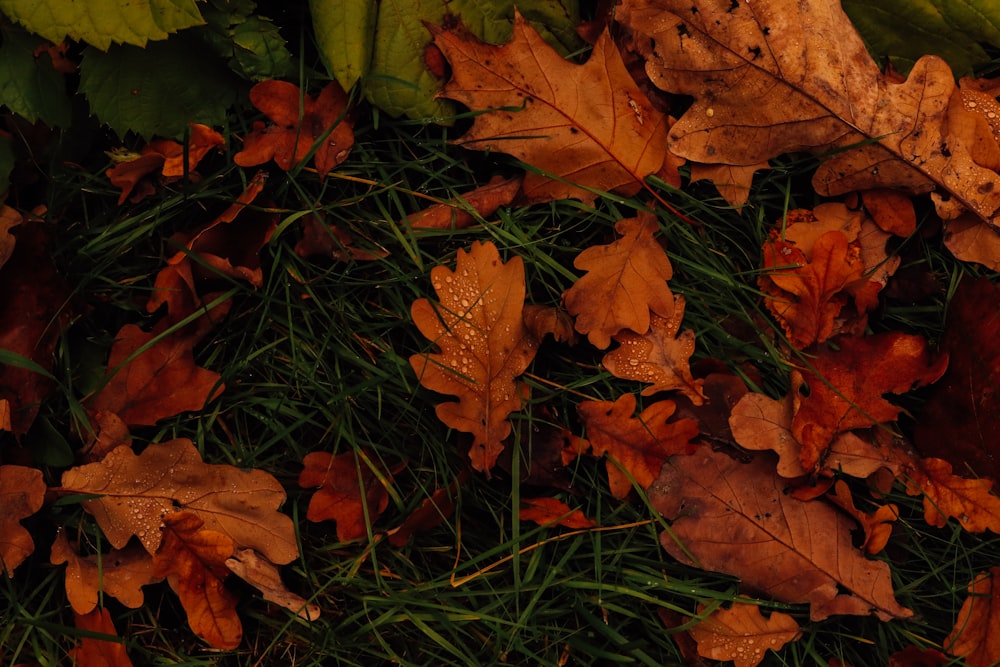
(98, 651)
(553, 512)
(625, 280)
(660, 356)
(609, 139)
(120, 574)
(484, 343)
(347, 491)
(193, 560)
(638, 446)
(300, 122)
(948, 495)
(976, 635)
(22, 493)
(742, 634)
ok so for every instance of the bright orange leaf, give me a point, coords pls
(637, 445)
(97, 651)
(347, 490)
(193, 560)
(22, 493)
(485, 345)
(877, 526)
(971, 501)
(553, 512)
(976, 635)
(458, 213)
(625, 281)
(120, 574)
(742, 634)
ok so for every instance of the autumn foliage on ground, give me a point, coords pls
(780, 478)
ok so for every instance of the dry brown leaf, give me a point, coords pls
(637, 447)
(735, 518)
(136, 491)
(971, 501)
(479, 327)
(9, 218)
(877, 526)
(553, 512)
(732, 182)
(660, 356)
(263, 575)
(625, 281)
(347, 491)
(94, 651)
(742, 634)
(892, 211)
(609, 139)
(22, 493)
(969, 239)
(431, 513)
(976, 635)
(912, 656)
(193, 560)
(457, 214)
(120, 574)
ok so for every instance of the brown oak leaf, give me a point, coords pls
(971, 501)
(322, 239)
(660, 356)
(462, 211)
(637, 445)
(263, 575)
(736, 518)
(970, 240)
(553, 512)
(348, 491)
(431, 512)
(892, 211)
(136, 491)
(976, 635)
(193, 561)
(300, 122)
(479, 327)
(742, 634)
(625, 280)
(120, 574)
(609, 139)
(98, 651)
(22, 493)
(877, 526)
(912, 656)
(833, 396)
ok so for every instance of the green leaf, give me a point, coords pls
(251, 45)
(904, 30)
(101, 22)
(160, 89)
(345, 34)
(29, 86)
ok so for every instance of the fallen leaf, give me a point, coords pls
(22, 493)
(479, 327)
(948, 495)
(834, 397)
(892, 211)
(348, 491)
(296, 128)
(431, 512)
(625, 281)
(320, 238)
(458, 213)
(877, 526)
(912, 656)
(9, 218)
(742, 634)
(637, 447)
(193, 560)
(107, 651)
(969, 239)
(120, 574)
(553, 512)
(974, 637)
(732, 181)
(660, 356)
(543, 320)
(610, 139)
(263, 575)
(136, 491)
(735, 518)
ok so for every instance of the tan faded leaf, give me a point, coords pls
(263, 575)
(742, 634)
(22, 492)
(736, 518)
(660, 356)
(976, 635)
(610, 138)
(479, 327)
(625, 280)
(136, 491)
(120, 574)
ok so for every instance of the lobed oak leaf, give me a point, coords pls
(625, 280)
(971, 240)
(464, 210)
(22, 493)
(120, 574)
(612, 138)
(300, 122)
(485, 345)
(263, 575)
(912, 656)
(975, 637)
(637, 447)
(549, 320)
(193, 560)
(892, 211)
(660, 356)
(431, 513)
(136, 491)
(742, 634)
(95, 650)
(971, 501)
(348, 491)
(833, 396)
(877, 526)
(553, 512)
(735, 518)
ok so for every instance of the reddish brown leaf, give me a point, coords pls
(296, 129)
(948, 495)
(611, 140)
(9, 218)
(742, 634)
(22, 492)
(120, 574)
(736, 518)
(660, 356)
(892, 211)
(431, 513)
(976, 635)
(877, 526)
(136, 491)
(911, 656)
(322, 239)
(637, 446)
(479, 327)
(263, 575)
(553, 512)
(545, 320)
(347, 491)
(625, 280)
(457, 214)
(99, 652)
(972, 240)
(193, 560)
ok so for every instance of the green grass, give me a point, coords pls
(317, 360)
